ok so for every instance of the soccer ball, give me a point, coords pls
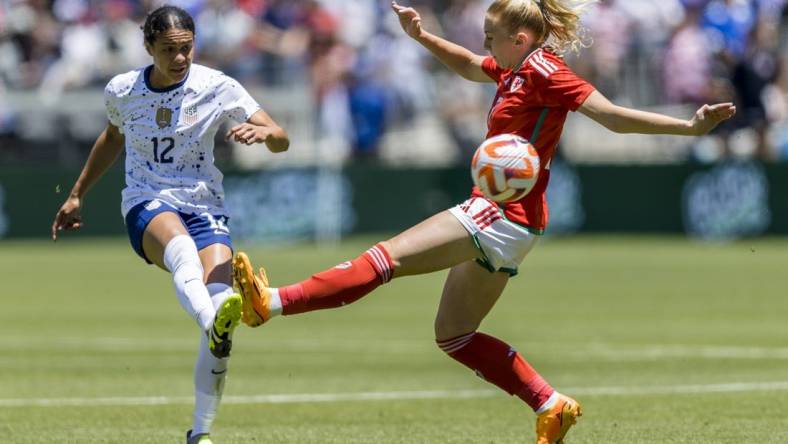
(505, 167)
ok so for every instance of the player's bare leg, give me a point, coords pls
(468, 296)
(470, 292)
(435, 244)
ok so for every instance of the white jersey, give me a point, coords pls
(169, 136)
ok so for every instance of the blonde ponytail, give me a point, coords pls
(555, 22)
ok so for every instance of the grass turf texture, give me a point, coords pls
(620, 322)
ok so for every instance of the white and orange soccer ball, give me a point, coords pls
(505, 167)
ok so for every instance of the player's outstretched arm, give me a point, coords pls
(620, 119)
(104, 153)
(455, 57)
(260, 128)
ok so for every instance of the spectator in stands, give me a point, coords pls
(729, 22)
(777, 106)
(225, 39)
(612, 37)
(687, 63)
(461, 104)
(35, 35)
(751, 74)
(664, 53)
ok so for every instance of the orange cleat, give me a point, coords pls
(254, 291)
(552, 425)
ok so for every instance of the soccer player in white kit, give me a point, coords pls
(166, 116)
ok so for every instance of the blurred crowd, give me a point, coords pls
(366, 77)
(692, 52)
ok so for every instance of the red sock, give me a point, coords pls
(494, 361)
(343, 284)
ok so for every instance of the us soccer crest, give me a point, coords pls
(163, 117)
(516, 83)
(190, 115)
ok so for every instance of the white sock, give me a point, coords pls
(276, 303)
(209, 372)
(183, 261)
(547, 405)
(219, 293)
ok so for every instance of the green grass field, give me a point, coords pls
(661, 339)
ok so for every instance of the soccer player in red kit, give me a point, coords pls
(535, 92)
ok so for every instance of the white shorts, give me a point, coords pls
(503, 244)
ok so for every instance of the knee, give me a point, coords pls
(447, 329)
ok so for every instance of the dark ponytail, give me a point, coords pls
(164, 19)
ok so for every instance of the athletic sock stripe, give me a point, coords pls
(386, 269)
(381, 264)
(386, 261)
(376, 262)
(457, 346)
(455, 339)
(452, 342)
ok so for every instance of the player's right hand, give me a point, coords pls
(409, 19)
(709, 116)
(68, 217)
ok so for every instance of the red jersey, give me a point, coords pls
(533, 103)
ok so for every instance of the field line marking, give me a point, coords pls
(597, 351)
(399, 395)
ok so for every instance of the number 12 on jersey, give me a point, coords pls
(167, 143)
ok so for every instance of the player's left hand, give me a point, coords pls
(409, 19)
(709, 116)
(248, 134)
